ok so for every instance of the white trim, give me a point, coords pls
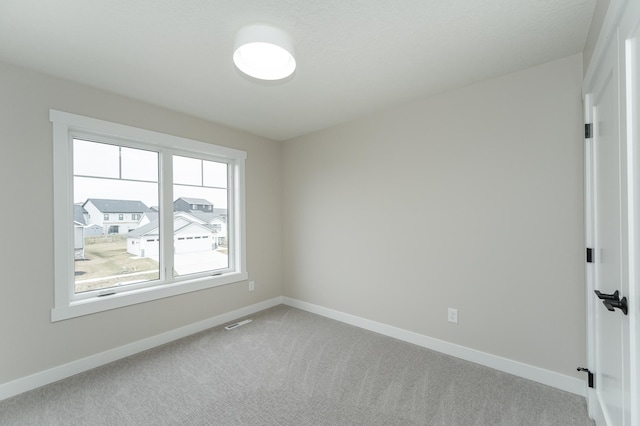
(536, 374)
(109, 129)
(540, 375)
(608, 29)
(593, 407)
(146, 294)
(54, 374)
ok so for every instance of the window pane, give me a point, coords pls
(187, 171)
(95, 159)
(139, 165)
(115, 231)
(214, 174)
(200, 218)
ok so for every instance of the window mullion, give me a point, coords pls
(166, 216)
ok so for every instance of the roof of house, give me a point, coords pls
(207, 216)
(152, 215)
(118, 206)
(78, 214)
(146, 229)
(143, 230)
(197, 201)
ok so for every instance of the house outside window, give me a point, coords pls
(123, 167)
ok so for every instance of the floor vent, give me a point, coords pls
(237, 324)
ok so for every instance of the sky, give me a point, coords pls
(121, 173)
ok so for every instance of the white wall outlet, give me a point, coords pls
(452, 315)
(252, 285)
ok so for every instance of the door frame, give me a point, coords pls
(621, 22)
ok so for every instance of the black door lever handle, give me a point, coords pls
(613, 301)
(602, 296)
(620, 304)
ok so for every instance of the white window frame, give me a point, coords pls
(68, 304)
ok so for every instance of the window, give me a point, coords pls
(134, 171)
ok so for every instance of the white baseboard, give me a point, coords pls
(54, 374)
(537, 374)
(516, 368)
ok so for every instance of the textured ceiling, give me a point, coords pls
(354, 57)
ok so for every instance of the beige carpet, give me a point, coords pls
(290, 367)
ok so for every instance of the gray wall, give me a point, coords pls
(29, 341)
(472, 199)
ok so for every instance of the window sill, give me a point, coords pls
(99, 304)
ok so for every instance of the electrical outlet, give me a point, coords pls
(453, 315)
(252, 285)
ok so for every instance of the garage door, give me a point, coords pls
(192, 243)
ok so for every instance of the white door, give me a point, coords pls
(608, 183)
(632, 47)
(608, 249)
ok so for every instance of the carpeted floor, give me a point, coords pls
(290, 367)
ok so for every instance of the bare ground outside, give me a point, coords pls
(106, 257)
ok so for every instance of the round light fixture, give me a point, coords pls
(264, 52)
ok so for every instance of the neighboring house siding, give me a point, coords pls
(190, 236)
(219, 228)
(78, 239)
(123, 215)
(146, 246)
(95, 215)
(93, 230)
(192, 204)
(216, 222)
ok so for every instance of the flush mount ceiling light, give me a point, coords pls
(264, 52)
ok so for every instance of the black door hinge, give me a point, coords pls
(589, 255)
(589, 374)
(587, 131)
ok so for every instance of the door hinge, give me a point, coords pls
(589, 255)
(587, 130)
(589, 375)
